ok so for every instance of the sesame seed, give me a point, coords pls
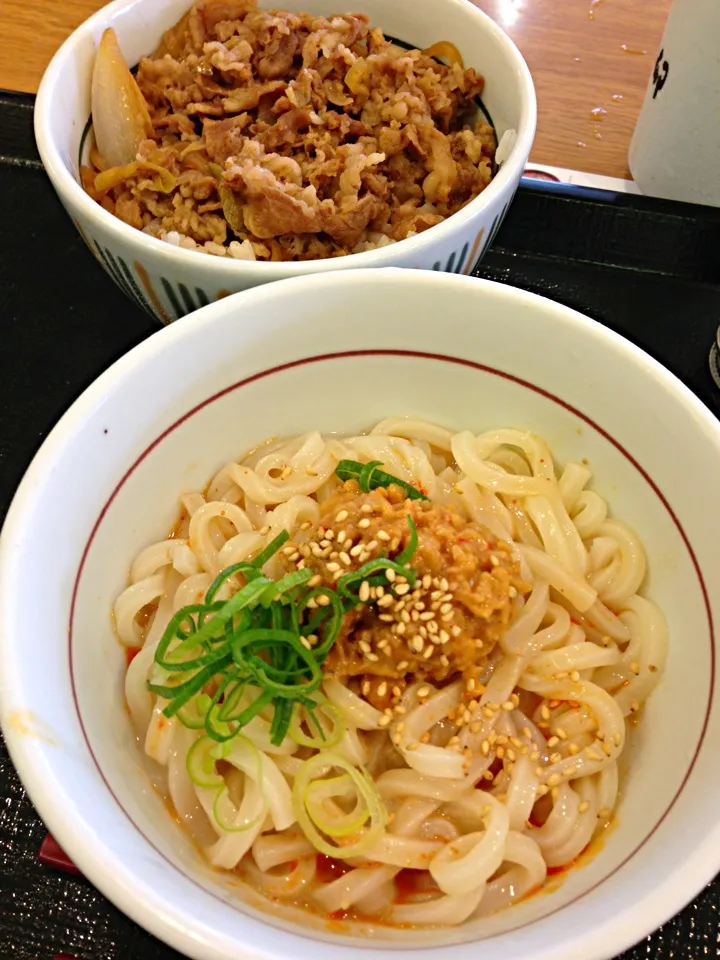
(456, 631)
(401, 589)
(379, 592)
(428, 652)
(366, 508)
(356, 550)
(405, 616)
(414, 615)
(575, 676)
(403, 665)
(561, 733)
(303, 526)
(573, 749)
(500, 753)
(344, 558)
(342, 516)
(423, 691)
(372, 657)
(400, 629)
(494, 560)
(553, 741)
(417, 644)
(446, 608)
(443, 637)
(569, 772)
(591, 755)
(443, 584)
(386, 601)
(323, 600)
(315, 581)
(364, 523)
(487, 713)
(544, 712)
(390, 574)
(422, 630)
(312, 604)
(555, 757)
(444, 662)
(428, 615)
(333, 567)
(341, 537)
(508, 705)
(364, 646)
(372, 545)
(526, 732)
(364, 592)
(386, 618)
(554, 780)
(584, 807)
(607, 749)
(382, 535)
(366, 687)
(306, 643)
(412, 746)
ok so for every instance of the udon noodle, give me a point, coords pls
(418, 743)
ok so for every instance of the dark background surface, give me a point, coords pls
(648, 269)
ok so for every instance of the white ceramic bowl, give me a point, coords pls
(338, 352)
(170, 282)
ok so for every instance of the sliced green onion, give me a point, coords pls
(343, 788)
(277, 588)
(248, 570)
(192, 715)
(200, 764)
(404, 558)
(328, 738)
(314, 824)
(271, 549)
(281, 721)
(369, 477)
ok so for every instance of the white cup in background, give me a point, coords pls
(675, 150)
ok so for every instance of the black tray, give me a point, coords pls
(648, 269)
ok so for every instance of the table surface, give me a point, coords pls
(587, 56)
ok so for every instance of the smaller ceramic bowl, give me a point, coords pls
(170, 282)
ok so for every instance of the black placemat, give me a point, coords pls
(648, 269)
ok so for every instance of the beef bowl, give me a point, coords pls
(252, 145)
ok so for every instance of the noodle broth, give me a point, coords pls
(469, 641)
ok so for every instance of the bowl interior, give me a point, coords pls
(139, 26)
(497, 357)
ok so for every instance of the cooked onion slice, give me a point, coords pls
(119, 111)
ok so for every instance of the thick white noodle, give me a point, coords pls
(546, 731)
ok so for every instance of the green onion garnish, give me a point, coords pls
(369, 476)
(253, 649)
